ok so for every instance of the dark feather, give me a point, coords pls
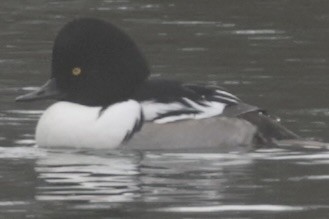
(269, 130)
(137, 127)
(166, 91)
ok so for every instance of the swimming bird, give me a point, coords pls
(106, 99)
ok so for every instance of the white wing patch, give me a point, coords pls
(182, 108)
(204, 109)
(207, 109)
(153, 109)
(228, 95)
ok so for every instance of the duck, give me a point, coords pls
(105, 98)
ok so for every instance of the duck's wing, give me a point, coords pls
(170, 101)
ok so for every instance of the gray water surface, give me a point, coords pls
(273, 54)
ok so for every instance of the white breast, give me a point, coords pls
(66, 124)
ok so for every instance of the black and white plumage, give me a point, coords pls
(168, 101)
(106, 100)
(165, 102)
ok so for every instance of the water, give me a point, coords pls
(273, 54)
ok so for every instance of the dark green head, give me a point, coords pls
(93, 63)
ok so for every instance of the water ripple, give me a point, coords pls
(235, 208)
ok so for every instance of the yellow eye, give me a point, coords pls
(76, 71)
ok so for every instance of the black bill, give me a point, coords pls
(48, 91)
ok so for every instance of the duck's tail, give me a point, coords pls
(269, 130)
(271, 133)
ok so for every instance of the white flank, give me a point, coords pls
(73, 125)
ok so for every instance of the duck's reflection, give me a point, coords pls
(97, 176)
(85, 176)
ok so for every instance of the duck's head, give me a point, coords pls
(93, 63)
